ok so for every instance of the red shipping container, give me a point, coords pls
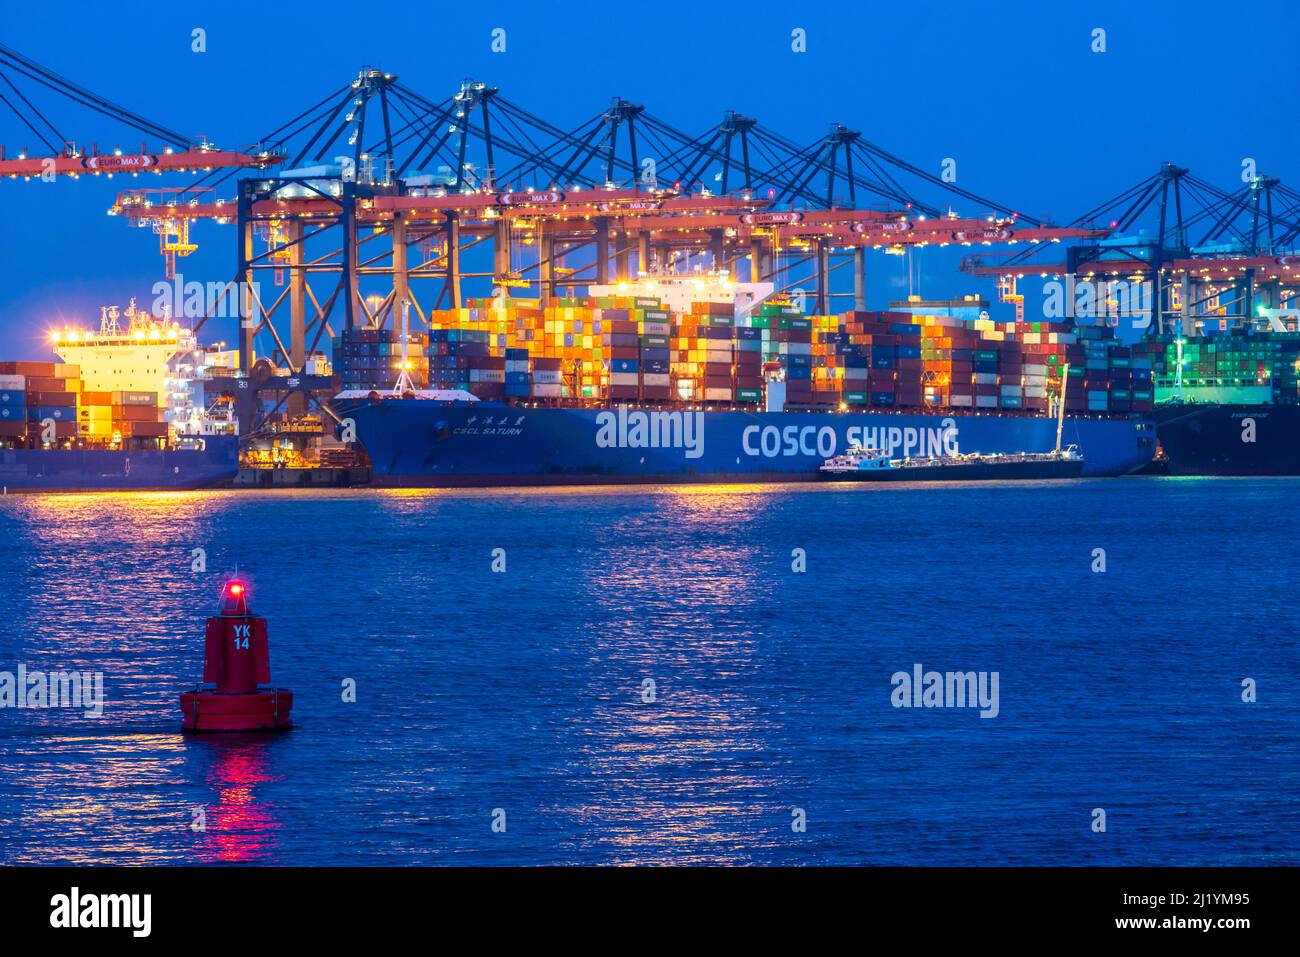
(51, 398)
(137, 413)
(28, 369)
(155, 430)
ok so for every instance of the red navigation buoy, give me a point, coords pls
(237, 665)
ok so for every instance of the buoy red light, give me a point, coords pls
(236, 694)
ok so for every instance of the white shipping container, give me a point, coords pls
(959, 401)
(623, 378)
(717, 395)
(13, 383)
(548, 377)
(546, 391)
(986, 378)
(1035, 392)
(656, 378)
(135, 398)
(654, 329)
(1035, 370)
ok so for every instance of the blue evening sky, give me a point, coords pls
(1010, 90)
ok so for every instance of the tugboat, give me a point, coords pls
(861, 464)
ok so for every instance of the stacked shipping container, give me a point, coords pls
(38, 396)
(633, 349)
(369, 359)
(462, 359)
(1227, 365)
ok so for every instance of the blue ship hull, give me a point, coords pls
(84, 470)
(421, 442)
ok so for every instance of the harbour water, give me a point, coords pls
(520, 697)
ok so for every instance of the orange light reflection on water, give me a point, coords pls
(97, 800)
(676, 777)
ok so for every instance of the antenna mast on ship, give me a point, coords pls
(404, 383)
(108, 321)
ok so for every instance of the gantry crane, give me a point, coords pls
(378, 174)
(60, 155)
(1207, 253)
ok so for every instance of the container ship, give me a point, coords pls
(1226, 400)
(120, 410)
(645, 388)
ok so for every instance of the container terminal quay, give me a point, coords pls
(450, 289)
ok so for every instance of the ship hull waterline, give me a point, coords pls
(1213, 439)
(97, 470)
(979, 472)
(424, 443)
